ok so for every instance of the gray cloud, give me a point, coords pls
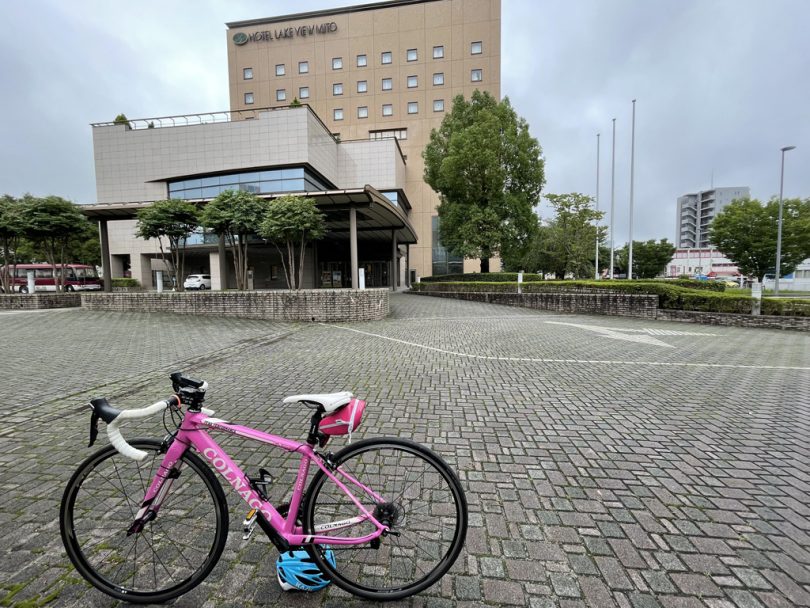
(721, 86)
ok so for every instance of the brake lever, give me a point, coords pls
(93, 429)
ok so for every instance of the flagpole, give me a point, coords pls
(612, 195)
(596, 265)
(632, 168)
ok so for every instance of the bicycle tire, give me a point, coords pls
(107, 489)
(376, 463)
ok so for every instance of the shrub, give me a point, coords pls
(125, 282)
(671, 295)
(785, 307)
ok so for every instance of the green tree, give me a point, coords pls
(746, 232)
(235, 215)
(570, 241)
(488, 172)
(53, 224)
(175, 220)
(295, 103)
(121, 119)
(650, 258)
(290, 222)
(11, 233)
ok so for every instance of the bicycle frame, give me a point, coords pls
(192, 433)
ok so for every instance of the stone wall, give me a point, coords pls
(334, 305)
(37, 301)
(622, 305)
(735, 320)
(598, 303)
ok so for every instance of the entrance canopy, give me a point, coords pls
(377, 217)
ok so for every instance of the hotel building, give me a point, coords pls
(373, 79)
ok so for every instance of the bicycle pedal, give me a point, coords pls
(249, 524)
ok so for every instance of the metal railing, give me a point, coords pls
(183, 120)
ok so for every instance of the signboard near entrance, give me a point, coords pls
(361, 278)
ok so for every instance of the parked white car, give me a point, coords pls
(198, 281)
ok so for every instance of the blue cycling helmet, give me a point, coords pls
(297, 570)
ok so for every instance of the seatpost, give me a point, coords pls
(314, 431)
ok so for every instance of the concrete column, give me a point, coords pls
(142, 270)
(106, 262)
(394, 261)
(408, 266)
(116, 266)
(222, 254)
(213, 265)
(353, 247)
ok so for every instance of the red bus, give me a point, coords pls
(78, 277)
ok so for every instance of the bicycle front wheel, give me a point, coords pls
(418, 497)
(172, 554)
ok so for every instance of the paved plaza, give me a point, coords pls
(607, 461)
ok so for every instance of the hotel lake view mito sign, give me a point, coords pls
(284, 33)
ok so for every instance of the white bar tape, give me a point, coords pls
(117, 440)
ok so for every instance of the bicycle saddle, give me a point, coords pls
(328, 401)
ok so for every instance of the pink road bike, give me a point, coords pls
(146, 521)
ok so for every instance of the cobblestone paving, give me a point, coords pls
(607, 462)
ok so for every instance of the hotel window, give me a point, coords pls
(438, 52)
(413, 82)
(362, 61)
(388, 133)
(248, 98)
(388, 109)
(280, 69)
(337, 88)
(362, 86)
(362, 112)
(337, 113)
(476, 48)
(337, 63)
(281, 94)
(386, 57)
(476, 75)
(303, 67)
(438, 78)
(247, 73)
(303, 93)
(443, 261)
(387, 84)
(438, 105)
(413, 107)
(412, 55)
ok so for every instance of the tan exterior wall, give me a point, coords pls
(452, 24)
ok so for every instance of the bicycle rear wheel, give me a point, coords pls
(423, 505)
(172, 554)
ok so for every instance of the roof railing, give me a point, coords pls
(184, 120)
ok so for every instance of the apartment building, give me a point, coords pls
(697, 210)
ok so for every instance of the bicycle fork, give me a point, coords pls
(159, 488)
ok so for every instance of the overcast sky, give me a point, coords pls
(721, 86)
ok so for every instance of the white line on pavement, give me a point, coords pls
(578, 361)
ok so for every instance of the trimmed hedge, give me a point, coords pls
(670, 296)
(125, 282)
(786, 307)
(529, 277)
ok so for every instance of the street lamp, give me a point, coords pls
(779, 228)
